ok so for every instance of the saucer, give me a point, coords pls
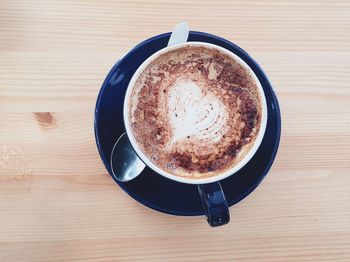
(154, 190)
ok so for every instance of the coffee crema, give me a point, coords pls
(195, 111)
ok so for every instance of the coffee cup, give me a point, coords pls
(210, 190)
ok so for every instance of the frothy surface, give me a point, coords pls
(195, 111)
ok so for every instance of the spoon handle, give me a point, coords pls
(179, 34)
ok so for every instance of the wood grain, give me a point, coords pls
(57, 202)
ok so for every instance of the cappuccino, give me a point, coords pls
(195, 111)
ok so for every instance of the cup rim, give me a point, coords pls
(229, 172)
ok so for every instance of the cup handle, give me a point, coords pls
(214, 204)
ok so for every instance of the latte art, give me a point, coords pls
(195, 111)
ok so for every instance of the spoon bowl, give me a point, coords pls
(126, 165)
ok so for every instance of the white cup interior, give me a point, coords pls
(160, 171)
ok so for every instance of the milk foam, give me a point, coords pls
(195, 114)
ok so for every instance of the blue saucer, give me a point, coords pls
(156, 191)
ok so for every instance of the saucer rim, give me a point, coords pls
(230, 202)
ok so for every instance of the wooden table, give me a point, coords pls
(57, 202)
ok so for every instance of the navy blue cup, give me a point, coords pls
(161, 193)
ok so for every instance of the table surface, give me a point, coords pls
(57, 202)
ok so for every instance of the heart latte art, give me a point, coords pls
(195, 111)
